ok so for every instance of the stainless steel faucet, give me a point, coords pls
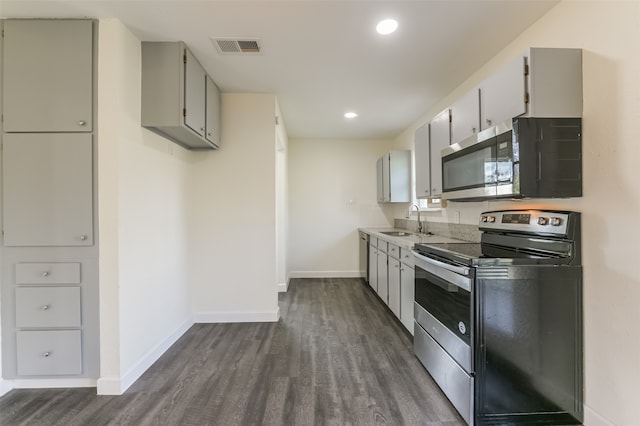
(409, 216)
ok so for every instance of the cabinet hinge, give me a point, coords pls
(184, 58)
(526, 97)
(526, 69)
(277, 121)
(184, 112)
(450, 117)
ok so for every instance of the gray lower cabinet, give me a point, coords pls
(47, 183)
(49, 353)
(407, 295)
(394, 286)
(48, 307)
(383, 277)
(373, 264)
(47, 75)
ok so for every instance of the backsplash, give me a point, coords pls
(451, 230)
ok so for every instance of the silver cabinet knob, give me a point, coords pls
(209, 134)
(473, 129)
(82, 123)
(83, 237)
(202, 129)
(45, 274)
(45, 308)
(46, 354)
(488, 122)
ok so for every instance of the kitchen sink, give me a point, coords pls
(397, 234)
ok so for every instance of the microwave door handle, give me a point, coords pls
(457, 269)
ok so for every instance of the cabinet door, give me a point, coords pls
(465, 116)
(48, 189)
(212, 113)
(383, 277)
(423, 162)
(54, 352)
(379, 179)
(386, 178)
(194, 94)
(407, 294)
(373, 267)
(47, 76)
(503, 94)
(440, 132)
(394, 286)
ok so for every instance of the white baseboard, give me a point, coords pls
(118, 385)
(53, 383)
(282, 287)
(5, 386)
(591, 418)
(222, 317)
(325, 274)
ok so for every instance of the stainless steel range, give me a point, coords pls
(499, 323)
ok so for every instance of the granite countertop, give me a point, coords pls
(408, 241)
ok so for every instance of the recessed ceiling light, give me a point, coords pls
(387, 26)
(350, 115)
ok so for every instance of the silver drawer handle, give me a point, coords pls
(45, 274)
(83, 237)
(46, 354)
(45, 307)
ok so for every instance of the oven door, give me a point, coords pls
(444, 306)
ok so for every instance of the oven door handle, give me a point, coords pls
(457, 269)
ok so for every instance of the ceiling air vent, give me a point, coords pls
(236, 45)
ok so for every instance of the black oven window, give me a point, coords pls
(449, 304)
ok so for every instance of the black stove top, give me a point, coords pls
(516, 237)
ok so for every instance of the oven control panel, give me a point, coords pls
(531, 221)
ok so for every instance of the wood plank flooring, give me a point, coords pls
(336, 357)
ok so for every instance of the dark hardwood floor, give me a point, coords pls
(336, 357)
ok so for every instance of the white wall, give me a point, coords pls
(609, 33)
(282, 204)
(232, 231)
(143, 184)
(332, 192)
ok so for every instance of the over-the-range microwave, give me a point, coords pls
(521, 158)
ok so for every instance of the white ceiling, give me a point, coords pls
(322, 57)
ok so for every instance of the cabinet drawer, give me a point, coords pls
(43, 353)
(406, 257)
(382, 245)
(48, 307)
(393, 250)
(48, 273)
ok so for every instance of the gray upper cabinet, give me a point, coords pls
(394, 177)
(194, 94)
(503, 94)
(174, 95)
(212, 124)
(47, 189)
(423, 161)
(541, 82)
(429, 141)
(47, 76)
(440, 132)
(465, 116)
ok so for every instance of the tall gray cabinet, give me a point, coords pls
(49, 241)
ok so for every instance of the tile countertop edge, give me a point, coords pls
(409, 241)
